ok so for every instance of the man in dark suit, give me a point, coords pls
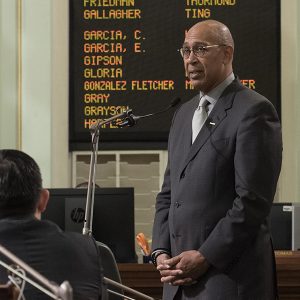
(210, 237)
(42, 245)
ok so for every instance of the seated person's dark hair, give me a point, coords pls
(84, 185)
(20, 183)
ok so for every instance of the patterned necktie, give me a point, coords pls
(199, 117)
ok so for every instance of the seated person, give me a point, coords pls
(57, 255)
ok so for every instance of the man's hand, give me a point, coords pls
(166, 269)
(161, 258)
(183, 269)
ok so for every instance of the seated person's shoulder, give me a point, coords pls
(80, 241)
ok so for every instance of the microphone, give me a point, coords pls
(130, 120)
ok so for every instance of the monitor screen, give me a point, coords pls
(281, 226)
(124, 55)
(113, 217)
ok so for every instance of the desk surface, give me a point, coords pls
(288, 274)
(145, 278)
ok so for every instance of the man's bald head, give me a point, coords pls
(216, 31)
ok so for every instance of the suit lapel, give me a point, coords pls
(214, 120)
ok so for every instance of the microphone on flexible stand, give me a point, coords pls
(130, 120)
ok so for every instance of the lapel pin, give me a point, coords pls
(212, 123)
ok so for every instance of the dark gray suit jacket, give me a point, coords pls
(217, 195)
(57, 255)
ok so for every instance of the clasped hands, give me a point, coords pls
(183, 269)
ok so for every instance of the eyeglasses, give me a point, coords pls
(199, 51)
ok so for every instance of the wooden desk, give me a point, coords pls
(145, 278)
(142, 277)
(288, 274)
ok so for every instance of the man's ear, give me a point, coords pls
(228, 55)
(42, 203)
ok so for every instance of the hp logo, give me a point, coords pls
(77, 215)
